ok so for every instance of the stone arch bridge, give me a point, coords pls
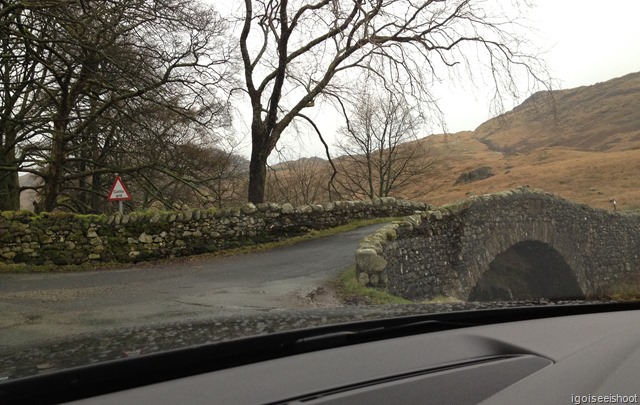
(516, 245)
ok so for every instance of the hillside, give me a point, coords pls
(601, 117)
(583, 144)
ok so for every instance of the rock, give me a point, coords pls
(248, 209)
(390, 232)
(144, 238)
(388, 201)
(304, 209)
(367, 260)
(9, 255)
(328, 207)
(480, 173)
(287, 208)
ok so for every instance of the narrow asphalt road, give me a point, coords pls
(35, 307)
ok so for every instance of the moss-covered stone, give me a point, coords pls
(65, 238)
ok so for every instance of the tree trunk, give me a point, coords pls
(9, 182)
(9, 191)
(55, 169)
(9, 177)
(257, 175)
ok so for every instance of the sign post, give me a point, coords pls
(119, 193)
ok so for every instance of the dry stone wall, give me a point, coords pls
(63, 238)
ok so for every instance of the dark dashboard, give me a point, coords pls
(569, 359)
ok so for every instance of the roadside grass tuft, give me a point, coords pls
(350, 291)
(627, 290)
(66, 268)
(441, 299)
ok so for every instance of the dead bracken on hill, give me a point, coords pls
(582, 144)
(601, 117)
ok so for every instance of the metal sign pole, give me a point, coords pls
(120, 206)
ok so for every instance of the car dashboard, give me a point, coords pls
(546, 360)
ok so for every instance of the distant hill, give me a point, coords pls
(601, 117)
(313, 160)
(582, 143)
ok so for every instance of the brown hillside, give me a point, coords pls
(588, 177)
(601, 117)
(588, 152)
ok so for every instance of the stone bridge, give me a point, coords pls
(516, 245)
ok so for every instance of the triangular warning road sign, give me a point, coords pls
(118, 191)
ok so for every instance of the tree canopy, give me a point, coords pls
(92, 88)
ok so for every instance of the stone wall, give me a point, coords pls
(445, 251)
(63, 238)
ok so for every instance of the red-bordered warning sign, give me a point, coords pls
(118, 191)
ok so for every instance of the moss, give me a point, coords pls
(17, 228)
(6, 236)
(8, 215)
(90, 218)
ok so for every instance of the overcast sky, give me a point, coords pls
(586, 41)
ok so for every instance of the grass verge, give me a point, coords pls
(52, 268)
(350, 291)
(627, 289)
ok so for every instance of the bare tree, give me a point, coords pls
(297, 53)
(374, 160)
(103, 63)
(198, 175)
(21, 112)
(300, 182)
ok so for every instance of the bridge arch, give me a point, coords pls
(528, 270)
